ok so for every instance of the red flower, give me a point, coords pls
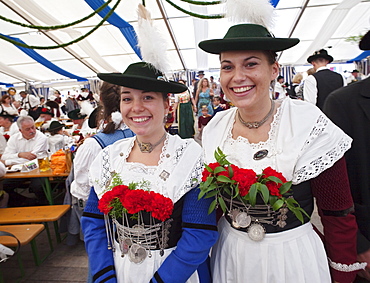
(105, 203)
(44, 110)
(162, 207)
(6, 136)
(206, 173)
(245, 179)
(271, 185)
(135, 201)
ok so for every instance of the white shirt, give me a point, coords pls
(17, 143)
(2, 169)
(2, 145)
(58, 141)
(310, 87)
(12, 130)
(10, 109)
(85, 155)
(30, 101)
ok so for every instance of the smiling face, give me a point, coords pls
(143, 111)
(245, 77)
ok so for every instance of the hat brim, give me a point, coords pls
(142, 83)
(216, 46)
(317, 56)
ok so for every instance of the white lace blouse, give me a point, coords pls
(302, 142)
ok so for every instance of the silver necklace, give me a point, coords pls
(257, 124)
(148, 147)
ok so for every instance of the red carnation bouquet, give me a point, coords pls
(222, 178)
(132, 199)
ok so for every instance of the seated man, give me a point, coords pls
(27, 145)
(81, 127)
(45, 119)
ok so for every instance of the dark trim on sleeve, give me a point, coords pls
(340, 213)
(109, 277)
(199, 226)
(93, 215)
(158, 278)
(103, 271)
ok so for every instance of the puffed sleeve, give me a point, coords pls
(335, 206)
(198, 236)
(101, 260)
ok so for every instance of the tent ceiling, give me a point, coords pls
(318, 23)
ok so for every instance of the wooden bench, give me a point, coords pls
(25, 233)
(35, 214)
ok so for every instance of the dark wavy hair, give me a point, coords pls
(110, 100)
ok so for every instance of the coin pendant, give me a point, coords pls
(256, 232)
(137, 254)
(243, 219)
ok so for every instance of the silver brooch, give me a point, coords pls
(164, 175)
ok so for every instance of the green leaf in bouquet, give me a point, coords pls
(262, 188)
(223, 179)
(278, 204)
(231, 171)
(222, 204)
(209, 169)
(253, 194)
(285, 187)
(211, 194)
(212, 206)
(236, 191)
(272, 199)
(219, 169)
(208, 182)
(201, 194)
(274, 179)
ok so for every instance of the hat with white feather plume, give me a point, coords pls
(253, 35)
(148, 75)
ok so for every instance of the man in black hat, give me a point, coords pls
(318, 86)
(354, 77)
(349, 108)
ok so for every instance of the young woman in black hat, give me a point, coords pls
(168, 237)
(294, 138)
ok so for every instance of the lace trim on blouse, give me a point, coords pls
(323, 162)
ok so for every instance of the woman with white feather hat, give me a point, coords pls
(272, 240)
(143, 221)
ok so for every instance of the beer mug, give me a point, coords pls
(44, 164)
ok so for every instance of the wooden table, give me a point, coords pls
(46, 176)
(35, 214)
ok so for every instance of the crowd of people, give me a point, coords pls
(152, 211)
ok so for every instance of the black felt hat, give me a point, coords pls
(5, 114)
(76, 114)
(322, 53)
(247, 37)
(365, 42)
(143, 76)
(93, 118)
(55, 125)
(46, 110)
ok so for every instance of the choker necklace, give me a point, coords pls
(255, 125)
(148, 147)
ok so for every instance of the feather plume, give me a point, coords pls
(259, 12)
(151, 41)
(86, 108)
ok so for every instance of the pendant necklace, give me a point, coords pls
(148, 147)
(257, 124)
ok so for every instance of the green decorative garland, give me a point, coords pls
(64, 44)
(216, 16)
(203, 3)
(58, 26)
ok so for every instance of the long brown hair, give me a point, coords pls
(110, 100)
